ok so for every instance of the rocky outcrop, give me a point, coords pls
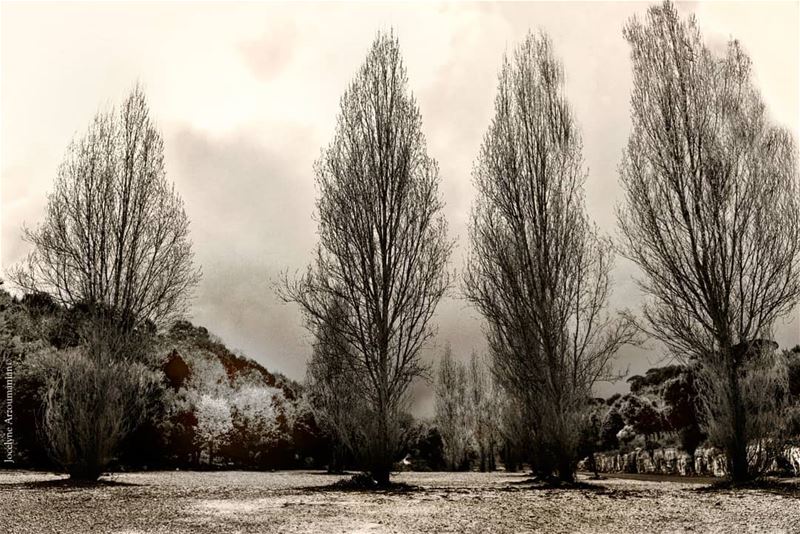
(710, 462)
(793, 455)
(707, 461)
(665, 461)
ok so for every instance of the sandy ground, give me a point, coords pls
(248, 502)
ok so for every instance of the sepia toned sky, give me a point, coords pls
(246, 95)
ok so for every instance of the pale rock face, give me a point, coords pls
(707, 461)
(710, 461)
(793, 455)
(668, 461)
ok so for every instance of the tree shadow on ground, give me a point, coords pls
(786, 488)
(535, 483)
(67, 484)
(591, 488)
(584, 488)
(539, 483)
(363, 483)
(652, 477)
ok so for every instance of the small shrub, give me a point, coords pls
(93, 398)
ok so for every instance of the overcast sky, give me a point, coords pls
(246, 95)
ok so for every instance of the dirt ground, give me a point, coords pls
(249, 502)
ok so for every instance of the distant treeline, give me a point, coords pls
(217, 409)
(480, 425)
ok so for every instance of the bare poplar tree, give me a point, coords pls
(712, 215)
(383, 248)
(539, 270)
(484, 411)
(513, 427)
(453, 410)
(335, 394)
(115, 232)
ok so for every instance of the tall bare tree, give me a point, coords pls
(453, 410)
(539, 270)
(712, 214)
(115, 232)
(484, 411)
(335, 394)
(383, 248)
(115, 244)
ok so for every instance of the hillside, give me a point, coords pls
(214, 407)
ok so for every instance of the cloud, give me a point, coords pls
(250, 203)
(270, 53)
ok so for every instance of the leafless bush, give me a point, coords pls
(93, 397)
(467, 412)
(336, 395)
(514, 429)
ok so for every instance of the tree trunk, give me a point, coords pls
(566, 471)
(85, 473)
(592, 465)
(335, 465)
(738, 469)
(510, 459)
(381, 472)
(737, 462)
